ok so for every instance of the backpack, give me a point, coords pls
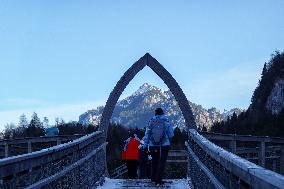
(157, 131)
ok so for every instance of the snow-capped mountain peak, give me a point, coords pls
(138, 108)
(145, 88)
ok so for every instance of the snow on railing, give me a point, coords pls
(27, 169)
(222, 169)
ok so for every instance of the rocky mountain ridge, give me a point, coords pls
(275, 101)
(137, 109)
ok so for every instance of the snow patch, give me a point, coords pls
(145, 183)
(109, 184)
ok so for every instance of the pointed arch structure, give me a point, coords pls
(147, 60)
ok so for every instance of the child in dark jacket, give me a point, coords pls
(144, 162)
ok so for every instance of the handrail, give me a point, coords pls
(30, 143)
(252, 174)
(38, 139)
(245, 138)
(16, 164)
(68, 169)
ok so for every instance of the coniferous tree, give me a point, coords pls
(35, 121)
(9, 131)
(264, 70)
(57, 122)
(35, 127)
(258, 120)
(23, 121)
(45, 122)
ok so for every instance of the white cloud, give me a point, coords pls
(21, 102)
(66, 111)
(229, 88)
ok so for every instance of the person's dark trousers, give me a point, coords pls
(159, 159)
(132, 168)
(148, 169)
(144, 164)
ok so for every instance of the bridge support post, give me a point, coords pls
(233, 146)
(261, 154)
(29, 147)
(282, 160)
(58, 141)
(6, 150)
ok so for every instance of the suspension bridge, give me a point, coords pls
(210, 160)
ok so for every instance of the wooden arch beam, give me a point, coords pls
(147, 60)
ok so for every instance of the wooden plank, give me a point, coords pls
(177, 153)
(176, 161)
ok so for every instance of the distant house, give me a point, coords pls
(53, 131)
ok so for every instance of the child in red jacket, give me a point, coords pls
(131, 154)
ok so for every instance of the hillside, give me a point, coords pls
(265, 115)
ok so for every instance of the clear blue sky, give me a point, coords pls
(61, 58)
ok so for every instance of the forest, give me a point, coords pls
(257, 119)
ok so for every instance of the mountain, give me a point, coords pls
(269, 94)
(265, 115)
(137, 109)
(275, 101)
